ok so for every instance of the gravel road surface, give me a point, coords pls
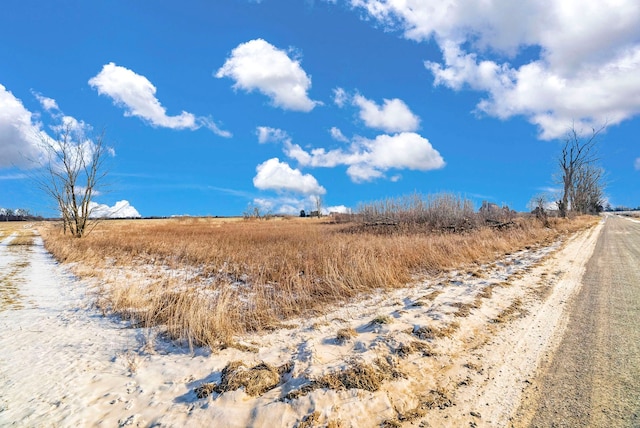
(593, 379)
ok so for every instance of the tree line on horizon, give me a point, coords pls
(19, 214)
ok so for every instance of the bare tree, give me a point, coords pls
(577, 166)
(72, 172)
(318, 203)
(587, 193)
(538, 206)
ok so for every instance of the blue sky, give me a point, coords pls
(212, 107)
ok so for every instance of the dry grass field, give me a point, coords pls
(210, 280)
(17, 238)
(21, 232)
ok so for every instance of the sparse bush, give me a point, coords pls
(433, 212)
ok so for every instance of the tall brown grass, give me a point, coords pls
(256, 275)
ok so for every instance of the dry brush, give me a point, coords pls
(221, 279)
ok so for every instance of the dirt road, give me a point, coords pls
(57, 353)
(594, 377)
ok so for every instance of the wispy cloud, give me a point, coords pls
(271, 135)
(549, 189)
(13, 176)
(340, 97)
(47, 103)
(337, 135)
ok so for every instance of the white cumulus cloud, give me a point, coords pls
(581, 62)
(368, 159)
(392, 116)
(137, 95)
(121, 209)
(258, 65)
(279, 176)
(25, 144)
(19, 133)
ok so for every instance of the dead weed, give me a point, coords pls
(255, 380)
(358, 375)
(430, 332)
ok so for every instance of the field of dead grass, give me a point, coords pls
(210, 280)
(17, 238)
(21, 232)
(632, 214)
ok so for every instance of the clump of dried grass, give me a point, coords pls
(11, 282)
(23, 237)
(431, 332)
(474, 367)
(415, 346)
(487, 291)
(23, 240)
(427, 298)
(345, 334)
(437, 399)
(511, 312)
(434, 399)
(314, 419)
(357, 375)
(258, 274)
(255, 380)
(381, 319)
(464, 309)
(205, 390)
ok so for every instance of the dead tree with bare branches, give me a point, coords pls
(72, 172)
(581, 179)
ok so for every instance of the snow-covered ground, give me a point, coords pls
(65, 364)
